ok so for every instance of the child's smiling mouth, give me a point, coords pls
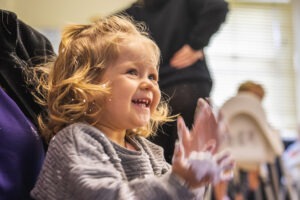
(142, 102)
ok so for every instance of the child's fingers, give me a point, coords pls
(213, 127)
(183, 132)
(220, 116)
(202, 109)
(208, 100)
(227, 177)
(222, 125)
(225, 164)
(228, 166)
(203, 123)
(225, 160)
(228, 172)
(178, 153)
(179, 128)
(219, 157)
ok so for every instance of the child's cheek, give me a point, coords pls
(155, 103)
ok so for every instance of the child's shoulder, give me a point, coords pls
(81, 134)
(80, 128)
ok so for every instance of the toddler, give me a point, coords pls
(103, 99)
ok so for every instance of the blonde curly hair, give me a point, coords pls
(65, 85)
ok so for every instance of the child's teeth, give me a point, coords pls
(143, 101)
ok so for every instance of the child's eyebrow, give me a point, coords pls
(144, 63)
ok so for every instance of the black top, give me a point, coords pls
(20, 47)
(174, 23)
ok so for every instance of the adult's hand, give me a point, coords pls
(186, 56)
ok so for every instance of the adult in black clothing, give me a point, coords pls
(181, 28)
(21, 47)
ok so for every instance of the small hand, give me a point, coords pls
(202, 168)
(181, 168)
(205, 131)
(186, 56)
(206, 126)
(190, 141)
(202, 139)
(219, 166)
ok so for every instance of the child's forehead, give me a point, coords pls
(139, 49)
(140, 41)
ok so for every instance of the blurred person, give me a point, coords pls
(254, 181)
(251, 178)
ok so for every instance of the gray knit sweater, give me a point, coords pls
(82, 163)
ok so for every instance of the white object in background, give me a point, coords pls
(250, 139)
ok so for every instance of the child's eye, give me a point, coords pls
(153, 77)
(132, 72)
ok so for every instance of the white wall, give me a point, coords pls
(55, 14)
(50, 16)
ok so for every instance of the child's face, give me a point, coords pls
(135, 93)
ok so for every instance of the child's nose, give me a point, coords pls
(146, 84)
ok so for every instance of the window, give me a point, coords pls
(256, 43)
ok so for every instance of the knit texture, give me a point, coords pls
(82, 163)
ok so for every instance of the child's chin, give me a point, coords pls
(144, 120)
(143, 123)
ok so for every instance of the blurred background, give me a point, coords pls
(259, 41)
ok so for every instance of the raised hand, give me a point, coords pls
(205, 130)
(193, 158)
